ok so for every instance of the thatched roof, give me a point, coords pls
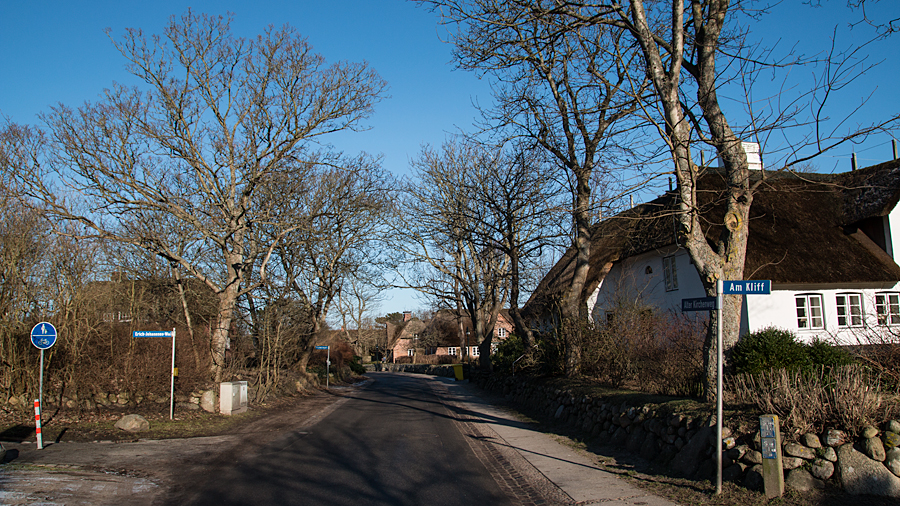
(807, 228)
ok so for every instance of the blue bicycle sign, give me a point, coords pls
(43, 335)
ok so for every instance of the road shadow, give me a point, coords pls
(17, 433)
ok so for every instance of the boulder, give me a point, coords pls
(688, 459)
(835, 438)
(869, 432)
(891, 439)
(788, 463)
(801, 481)
(822, 469)
(827, 453)
(209, 401)
(811, 441)
(892, 460)
(133, 423)
(798, 450)
(874, 449)
(752, 457)
(862, 475)
(753, 480)
(893, 426)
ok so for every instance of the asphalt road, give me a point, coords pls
(396, 442)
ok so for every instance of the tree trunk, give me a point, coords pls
(219, 337)
(574, 308)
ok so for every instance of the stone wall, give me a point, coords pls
(684, 445)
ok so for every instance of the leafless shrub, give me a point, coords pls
(849, 397)
(655, 352)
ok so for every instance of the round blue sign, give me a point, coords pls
(43, 335)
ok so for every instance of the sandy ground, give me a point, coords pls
(142, 472)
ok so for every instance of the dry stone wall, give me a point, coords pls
(685, 445)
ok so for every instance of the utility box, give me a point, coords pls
(233, 397)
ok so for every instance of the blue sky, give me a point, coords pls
(57, 51)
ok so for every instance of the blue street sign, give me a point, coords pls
(758, 287)
(43, 335)
(152, 333)
(321, 347)
(701, 304)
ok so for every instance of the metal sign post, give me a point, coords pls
(164, 333)
(43, 336)
(327, 364)
(719, 405)
(742, 287)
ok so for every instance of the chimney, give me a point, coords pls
(407, 316)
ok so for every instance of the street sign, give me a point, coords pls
(174, 371)
(152, 333)
(321, 347)
(701, 304)
(758, 287)
(43, 335)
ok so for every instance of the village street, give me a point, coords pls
(401, 439)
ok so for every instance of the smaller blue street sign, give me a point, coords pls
(701, 304)
(43, 335)
(321, 347)
(758, 287)
(152, 333)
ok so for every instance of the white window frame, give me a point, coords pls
(887, 308)
(452, 350)
(409, 352)
(475, 351)
(670, 273)
(808, 305)
(849, 310)
(501, 333)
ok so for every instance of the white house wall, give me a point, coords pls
(628, 280)
(780, 310)
(892, 233)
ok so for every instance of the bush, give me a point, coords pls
(772, 349)
(355, 366)
(768, 349)
(507, 352)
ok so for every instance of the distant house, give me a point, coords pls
(830, 244)
(441, 335)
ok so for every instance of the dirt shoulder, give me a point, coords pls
(89, 461)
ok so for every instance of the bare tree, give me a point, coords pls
(559, 89)
(337, 232)
(449, 256)
(520, 214)
(218, 119)
(356, 306)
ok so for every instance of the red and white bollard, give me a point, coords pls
(37, 424)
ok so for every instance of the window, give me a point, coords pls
(474, 351)
(887, 306)
(409, 352)
(501, 333)
(452, 350)
(849, 310)
(670, 274)
(809, 312)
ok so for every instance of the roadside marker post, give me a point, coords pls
(327, 364)
(37, 424)
(43, 336)
(172, 371)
